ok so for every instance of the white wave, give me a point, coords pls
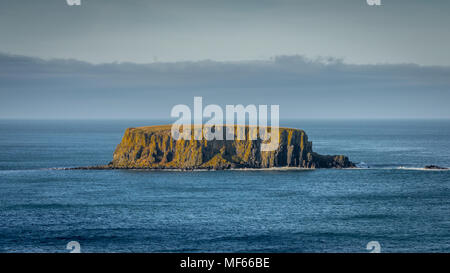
(362, 165)
(420, 169)
(273, 169)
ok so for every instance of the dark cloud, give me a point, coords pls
(281, 71)
(325, 87)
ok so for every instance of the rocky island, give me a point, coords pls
(153, 147)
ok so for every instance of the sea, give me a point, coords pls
(390, 201)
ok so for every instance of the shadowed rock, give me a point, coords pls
(434, 167)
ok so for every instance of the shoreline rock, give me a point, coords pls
(434, 167)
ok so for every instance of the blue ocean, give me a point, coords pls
(392, 200)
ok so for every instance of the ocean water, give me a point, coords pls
(394, 202)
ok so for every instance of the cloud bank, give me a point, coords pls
(304, 88)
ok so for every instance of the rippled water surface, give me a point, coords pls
(394, 202)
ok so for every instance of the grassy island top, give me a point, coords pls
(165, 127)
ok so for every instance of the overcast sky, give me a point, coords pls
(137, 59)
(399, 31)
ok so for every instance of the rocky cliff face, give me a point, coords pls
(154, 148)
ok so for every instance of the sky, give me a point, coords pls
(138, 58)
(142, 31)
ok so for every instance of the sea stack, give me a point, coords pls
(153, 147)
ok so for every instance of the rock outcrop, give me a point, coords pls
(434, 167)
(154, 148)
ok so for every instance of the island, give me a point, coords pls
(153, 147)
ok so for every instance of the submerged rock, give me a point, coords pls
(154, 148)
